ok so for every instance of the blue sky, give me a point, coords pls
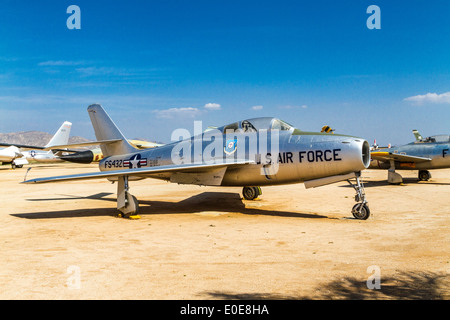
(159, 65)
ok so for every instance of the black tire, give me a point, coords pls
(136, 204)
(365, 211)
(131, 214)
(250, 193)
(424, 175)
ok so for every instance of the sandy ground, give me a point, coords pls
(63, 241)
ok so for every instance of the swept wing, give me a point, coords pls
(183, 168)
(388, 156)
(21, 146)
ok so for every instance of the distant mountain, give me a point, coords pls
(33, 138)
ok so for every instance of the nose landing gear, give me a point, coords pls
(360, 210)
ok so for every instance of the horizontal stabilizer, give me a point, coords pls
(83, 144)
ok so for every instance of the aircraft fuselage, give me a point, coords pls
(439, 153)
(279, 157)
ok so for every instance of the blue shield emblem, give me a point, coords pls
(230, 146)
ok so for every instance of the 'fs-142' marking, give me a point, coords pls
(134, 162)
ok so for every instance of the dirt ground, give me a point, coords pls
(64, 241)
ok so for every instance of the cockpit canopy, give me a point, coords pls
(256, 124)
(442, 138)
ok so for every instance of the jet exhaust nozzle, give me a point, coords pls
(79, 157)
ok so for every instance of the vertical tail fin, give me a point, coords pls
(417, 135)
(105, 129)
(61, 136)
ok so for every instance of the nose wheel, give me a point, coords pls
(360, 210)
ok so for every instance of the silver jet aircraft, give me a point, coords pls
(17, 156)
(250, 153)
(423, 154)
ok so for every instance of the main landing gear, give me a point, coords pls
(395, 178)
(127, 204)
(424, 175)
(360, 210)
(251, 193)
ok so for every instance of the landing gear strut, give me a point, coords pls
(360, 210)
(251, 193)
(394, 177)
(127, 204)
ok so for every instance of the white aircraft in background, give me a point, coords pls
(18, 154)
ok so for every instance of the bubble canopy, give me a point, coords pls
(442, 138)
(256, 124)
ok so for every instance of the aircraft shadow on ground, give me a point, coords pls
(226, 202)
(406, 285)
